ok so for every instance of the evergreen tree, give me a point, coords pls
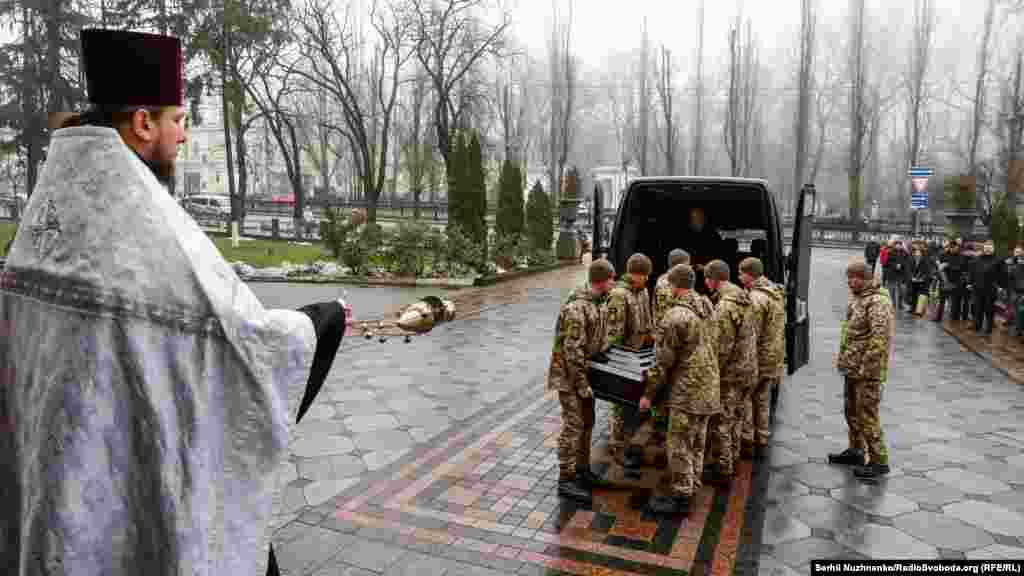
(539, 219)
(475, 193)
(456, 178)
(509, 219)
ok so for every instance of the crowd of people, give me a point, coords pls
(717, 357)
(965, 277)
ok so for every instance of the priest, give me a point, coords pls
(147, 395)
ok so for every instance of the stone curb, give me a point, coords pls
(982, 353)
(448, 283)
(451, 283)
(491, 280)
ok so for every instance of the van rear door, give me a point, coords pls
(798, 277)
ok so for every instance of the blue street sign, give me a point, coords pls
(919, 172)
(919, 200)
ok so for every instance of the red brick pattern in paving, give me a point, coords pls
(500, 478)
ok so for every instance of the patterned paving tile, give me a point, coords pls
(492, 487)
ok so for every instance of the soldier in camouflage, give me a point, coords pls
(769, 302)
(737, 366)
(579, 334)
(662, 302)
(629, 324)
(864, 362)
(663, 289)
(686, 363)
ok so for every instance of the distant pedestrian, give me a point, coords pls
(987, 274)
(952, 268)
(871, 253)
(864, 361)
(1015, 290)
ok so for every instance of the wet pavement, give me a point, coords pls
(438, 457)
(366, 301)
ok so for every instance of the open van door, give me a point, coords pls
(599, 241)
(798, 278)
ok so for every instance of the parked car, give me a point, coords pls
(208, 206)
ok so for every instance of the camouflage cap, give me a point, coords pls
(678, 256)
(600, 270)
(681, 276)
(752, 266)
(717, 270)
(639, 264)
(859, 268)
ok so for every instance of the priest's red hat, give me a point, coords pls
(132, 68)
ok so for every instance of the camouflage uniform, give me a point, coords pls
(737, 365)
(579, 334)
(687, 364)
(663, 301)
(864, 360)
(628, 324)
(769, 302)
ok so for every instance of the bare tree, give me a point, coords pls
(698, 116)
(449, 43)
(859, 112)
(563, 93)
(805, 81)
(979, 90)
(666, 94)
(917, 97)
(741, 109)
(644, 102)
(1011, 129)
(732, 111)
(824, 112)
(366, 92)
(419, 155)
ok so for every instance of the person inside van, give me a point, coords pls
(702, 241)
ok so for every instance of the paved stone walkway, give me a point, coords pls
(437, 457)
(1004, 352)
(954, 426)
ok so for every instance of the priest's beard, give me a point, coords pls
(162, 169)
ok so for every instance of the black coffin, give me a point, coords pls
(618, 374)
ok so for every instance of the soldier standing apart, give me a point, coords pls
(579, 334)
(769, 305)
(737, 366)
(864, 361)
(629, 324)
(687, 363)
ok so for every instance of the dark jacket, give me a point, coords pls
(988, 272)
(919, 271)
(953, 271)
(896, 265)
(871, 251)
(1015, 275)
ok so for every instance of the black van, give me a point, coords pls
(652, 218)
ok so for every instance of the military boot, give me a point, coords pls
(633, 458)
(871, 471)
(747, 451)
(669, 505)
(715, 477)
(587, 478)
(761, 452)
(848, 457)
(574, 490)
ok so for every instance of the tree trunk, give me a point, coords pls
(243, 172)
(1016, 127)
(979, 90)
(644, 102)
(803, 117)
(698, 129)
